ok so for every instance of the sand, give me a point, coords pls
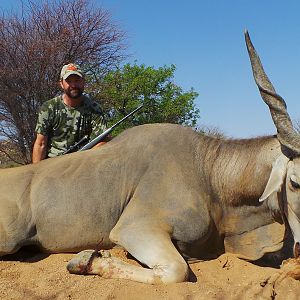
(31, 275)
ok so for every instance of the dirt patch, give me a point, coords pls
(38, 276)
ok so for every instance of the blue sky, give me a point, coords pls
(205, 40)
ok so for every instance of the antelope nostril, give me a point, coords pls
(297, 250)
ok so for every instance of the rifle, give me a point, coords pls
(100, 137)
(74, 147)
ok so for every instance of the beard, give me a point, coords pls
(74, 93)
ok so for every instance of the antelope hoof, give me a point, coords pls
(82, 262)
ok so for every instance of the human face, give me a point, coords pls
(73, 86)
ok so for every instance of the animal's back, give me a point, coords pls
(72, 202)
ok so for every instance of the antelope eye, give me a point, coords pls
(294, 184)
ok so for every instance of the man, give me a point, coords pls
(64, 120)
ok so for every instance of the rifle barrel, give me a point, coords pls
(101, 137)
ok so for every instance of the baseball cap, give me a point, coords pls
(71, 69)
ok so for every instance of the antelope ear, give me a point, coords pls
(276, 177)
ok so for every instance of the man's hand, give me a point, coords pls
(99, 145)
(106, 140)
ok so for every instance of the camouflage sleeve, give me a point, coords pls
(43, 125)
(99, 125)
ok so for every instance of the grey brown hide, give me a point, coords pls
(163, 192)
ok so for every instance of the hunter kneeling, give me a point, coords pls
(67, 119)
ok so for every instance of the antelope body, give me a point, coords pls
(165, 193)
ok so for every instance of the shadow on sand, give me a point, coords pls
(28, 254)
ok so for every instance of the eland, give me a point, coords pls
(165, 193)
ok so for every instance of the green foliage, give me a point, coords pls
(122, 90)
(34, 45)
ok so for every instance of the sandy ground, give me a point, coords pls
(28, 275)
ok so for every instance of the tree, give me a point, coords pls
(33, 47)
(124, 89)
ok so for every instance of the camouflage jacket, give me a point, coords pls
(64, 125)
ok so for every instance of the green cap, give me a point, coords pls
(70, 69)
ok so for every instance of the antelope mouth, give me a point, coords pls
(297, 250)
